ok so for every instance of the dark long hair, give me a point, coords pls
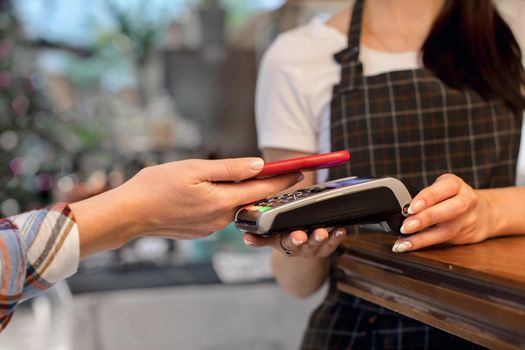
(471, 47)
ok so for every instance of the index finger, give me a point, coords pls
(439, 234)
(445, 187)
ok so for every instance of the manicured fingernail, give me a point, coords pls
(257, 164)
(248, 243)
(410, 226)
(401, 247)
(297, 242)
(416, 207)
(339, 234)
(319, 238)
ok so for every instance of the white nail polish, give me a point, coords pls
(417, 206)
(401, 247)
(413, 225)
(296, 242)
(257, 164)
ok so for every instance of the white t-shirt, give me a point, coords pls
(298, 72)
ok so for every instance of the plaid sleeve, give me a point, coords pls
(37, 249)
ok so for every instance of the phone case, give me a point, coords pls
(319, 161)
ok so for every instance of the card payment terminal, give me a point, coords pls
(347, 201)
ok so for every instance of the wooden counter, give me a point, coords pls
(476, 292)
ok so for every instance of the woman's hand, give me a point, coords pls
(180, 200)
(320, 244)
(448, 211)
(300, 261)
(200, 196)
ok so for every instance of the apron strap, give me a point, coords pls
(351, 53)
(354, 32)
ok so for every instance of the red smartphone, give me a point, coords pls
(295, 165)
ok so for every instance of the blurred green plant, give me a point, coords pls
(134, 35)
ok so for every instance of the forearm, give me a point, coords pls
(106, 221)
(507, 206)
(298, 276)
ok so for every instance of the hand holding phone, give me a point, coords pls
(295, 165)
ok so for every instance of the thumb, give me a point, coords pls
(231, 169)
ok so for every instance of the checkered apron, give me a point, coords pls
(409, 125)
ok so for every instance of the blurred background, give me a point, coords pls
(90, 92)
